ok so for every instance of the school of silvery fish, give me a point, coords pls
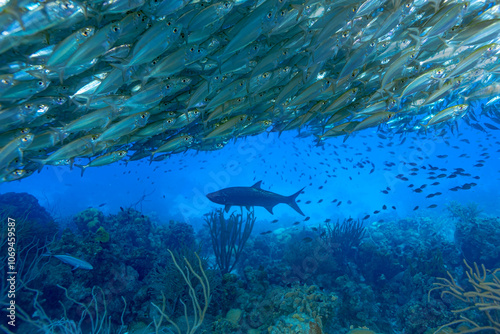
(133, 79)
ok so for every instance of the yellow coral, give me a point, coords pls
(101, 235)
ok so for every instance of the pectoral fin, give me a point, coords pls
(270, 209)
(227, 208)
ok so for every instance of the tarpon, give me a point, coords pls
(253, 196)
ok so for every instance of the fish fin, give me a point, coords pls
(270, 209)
(40, 162)
(76, 267)
(346, 136)
(290, 200)
(82, 167)
(257, 185)
(227, 208)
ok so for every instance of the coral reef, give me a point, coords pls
(288, 281)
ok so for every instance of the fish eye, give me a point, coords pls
(169, 23)
(199, 51)
(143, 116)
(175, 30)
(116, 29)
(168, 86)
(345, 34)
(192, 49)
(28, 106)
(154, 62)
(169, 121)
(40, 83)
(184, 80)
(408, 5)
(372, 44)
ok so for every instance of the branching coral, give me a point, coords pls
(484, 297)
(229, 237)
(344, 237)
(199, 309)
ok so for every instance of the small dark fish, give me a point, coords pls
(307, 218)
(267, 232)
(411, 185)
(366, 217)
(430, 196)
(296, 223)
(393, 207)
(476, 177)
(384, 207)
(349, 201)
(340, 202)
(415, 208)
(307, 239)
(121, 209)
(435, 184)
(375, 212)
(490, 126)
(321, 200)
(478, 165)
(432, 206)
(314, 228)
(385, 192)
(418, 190)
(308, 202)
(103, 204)
(335, 200)
(442, 156)
(274, 221)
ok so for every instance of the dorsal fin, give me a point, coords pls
(257, 185)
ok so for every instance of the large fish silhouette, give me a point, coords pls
(252, 196)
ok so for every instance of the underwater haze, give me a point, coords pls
(243, 166)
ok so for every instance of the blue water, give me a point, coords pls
(175, 188)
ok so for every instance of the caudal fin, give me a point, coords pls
(291, 201)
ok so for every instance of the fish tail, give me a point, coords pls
(290, 200)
